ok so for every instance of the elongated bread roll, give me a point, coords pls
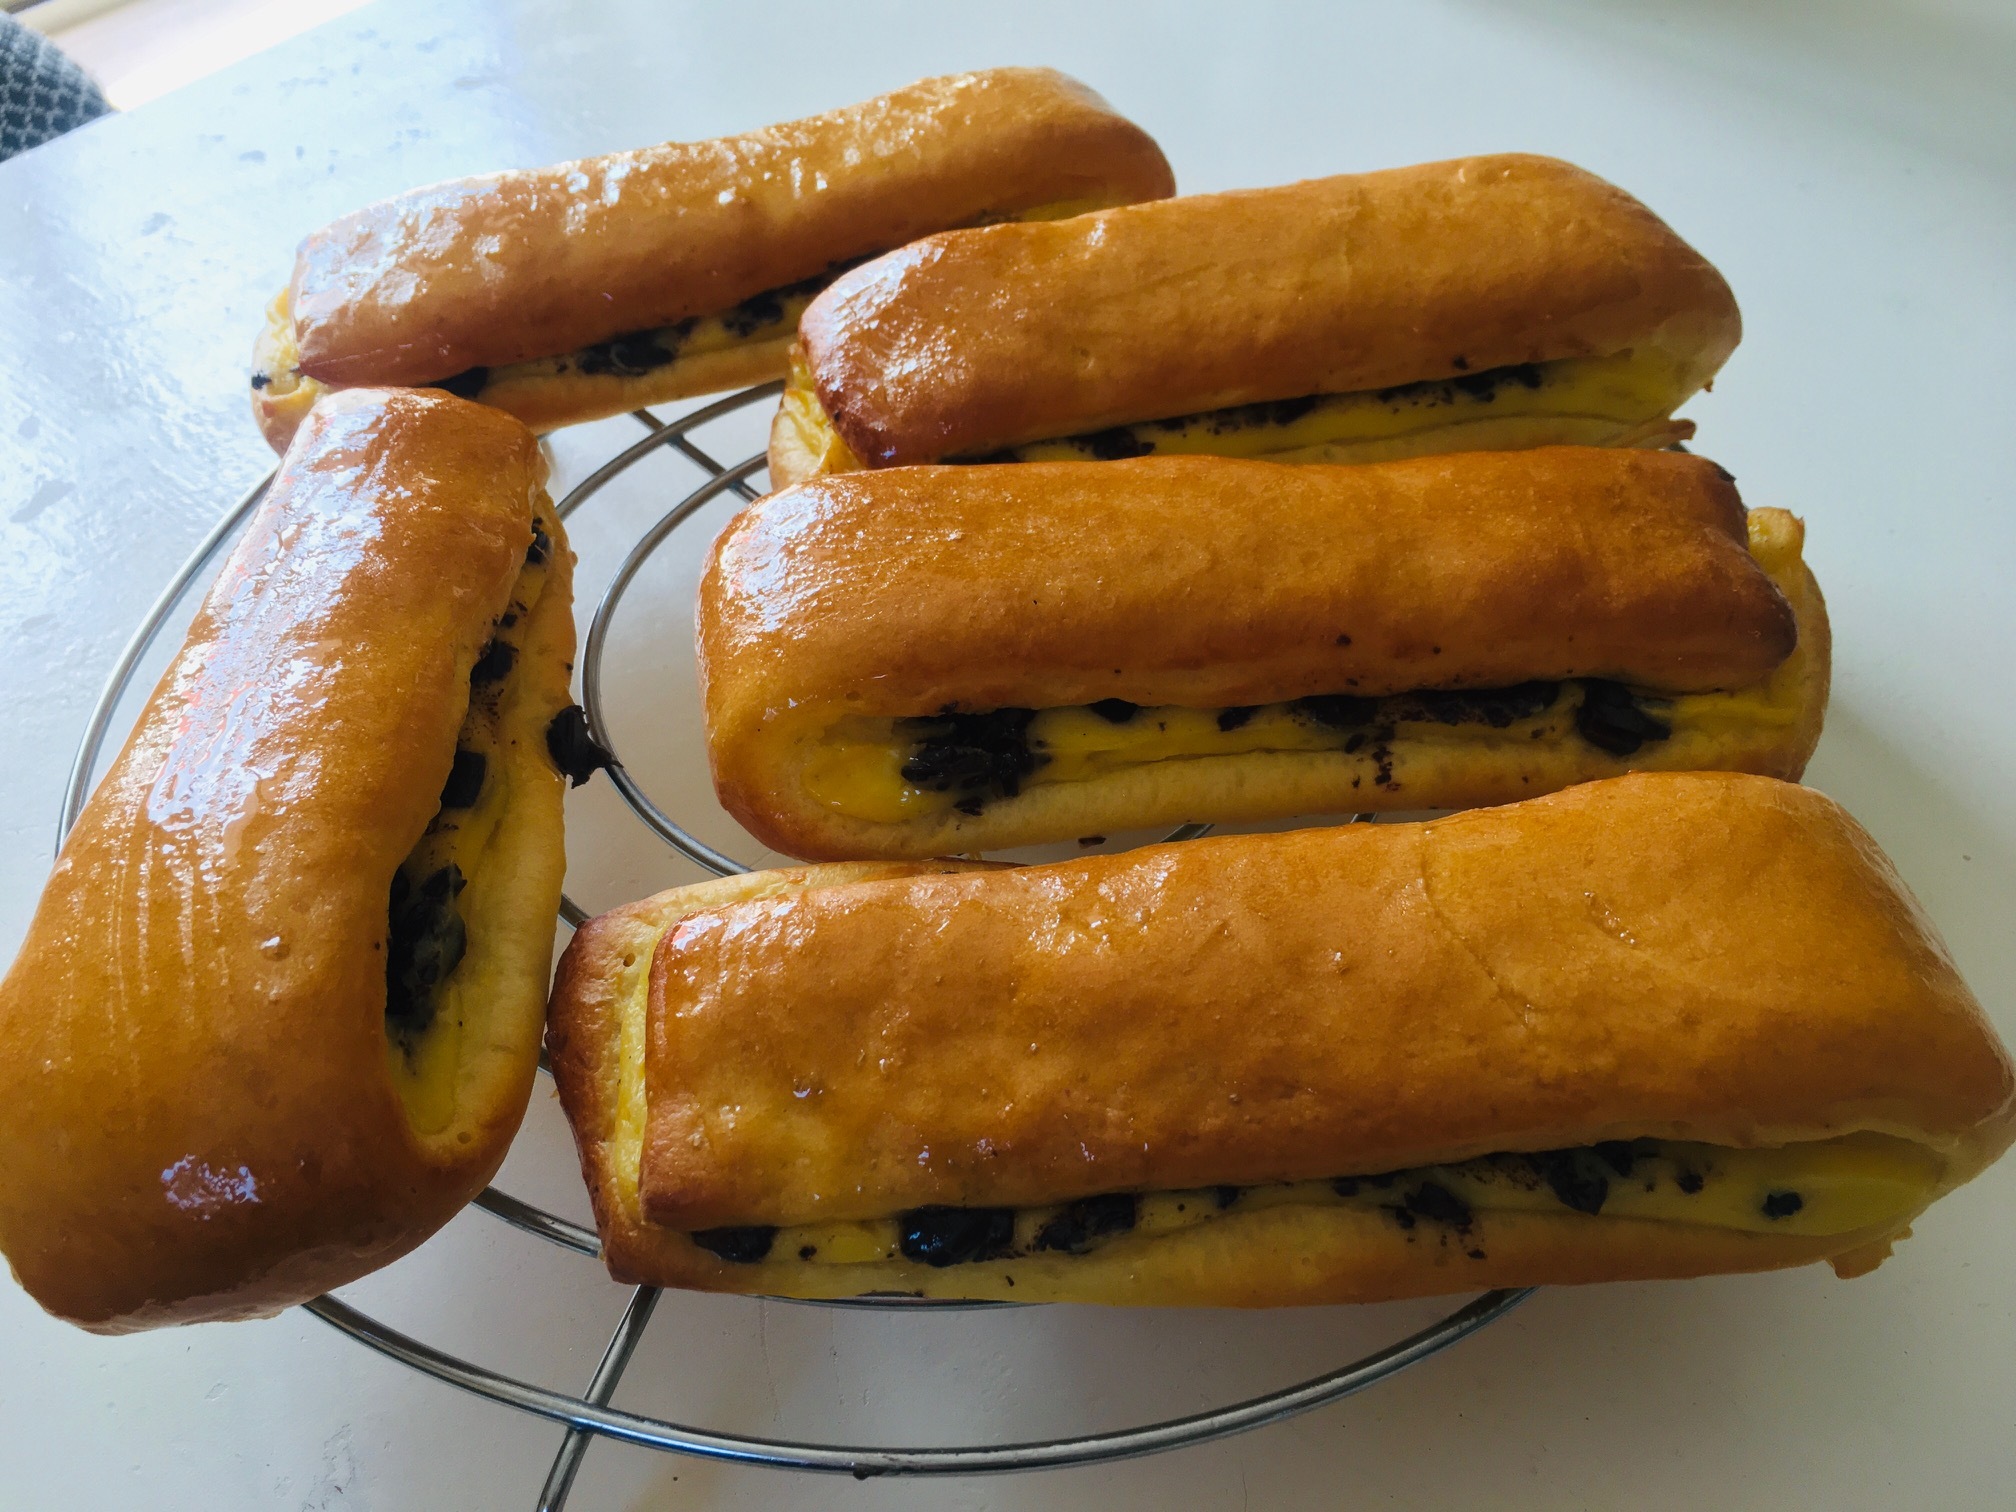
(941, 660)
(278, 1013)
(1661, 1025)
(588, 288)
(1483, 303)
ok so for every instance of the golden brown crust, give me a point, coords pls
(596, 1022)
(1213, 582)
(1210, 583)
(195, 1092)
(1770, 729)
(1705, 957)
(535, 263)
(968, 341)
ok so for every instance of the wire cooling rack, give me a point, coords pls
(590, 1414)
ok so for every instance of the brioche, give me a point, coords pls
(588, 288)
(1660, 1025)
(277, 1016)
(1484, 303)
(938, 660)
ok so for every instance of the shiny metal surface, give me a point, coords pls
(663, 824)
(863, 1461)
(615, 1359)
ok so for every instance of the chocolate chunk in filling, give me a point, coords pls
(425, 942)
(1612, 718)
(980, 757)
(1435, 1202)
(577, 754)
(465, 780)
(1572, 1177)
(743, 1244)
(942, 1236)
(976, 756)
(1084, 1223)
(1337, 711)
(494, 665)
(1499, 708)
(633, 353)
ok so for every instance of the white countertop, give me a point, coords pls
(1853, 172)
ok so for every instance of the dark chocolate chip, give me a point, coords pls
(494, 665)
(1115, 710)
(425, 942)
(541, 547)
(1689, 1182)
(739, 1244)
(576, 754)
(1613, 718)
(1224, 1196)
(260, 380)
(1485, 385)
(942, 1236)
(1497, 707)
(1091, 839)
(977, 756)
(465, 780)
(1283, 411)
(632, 354)
(1232, 719)
(1339, 711)
(1618, 1154)
(1435, 1202)
(1085, 1222)
(1115, 445)
(1571, 1178)
(1782, 1204)
(757, 312)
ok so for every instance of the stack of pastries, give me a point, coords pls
(1093, 508)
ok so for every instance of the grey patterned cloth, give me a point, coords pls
(42, 93)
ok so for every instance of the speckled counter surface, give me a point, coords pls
(1853, 174)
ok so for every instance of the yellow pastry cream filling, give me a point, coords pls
(1826, 1187)
(768, 318)
(427, 938)
(1625, 399)
(893, 770)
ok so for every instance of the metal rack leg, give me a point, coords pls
(615, 1359)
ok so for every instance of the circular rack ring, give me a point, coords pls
(864, 1461)
(590, 1415)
